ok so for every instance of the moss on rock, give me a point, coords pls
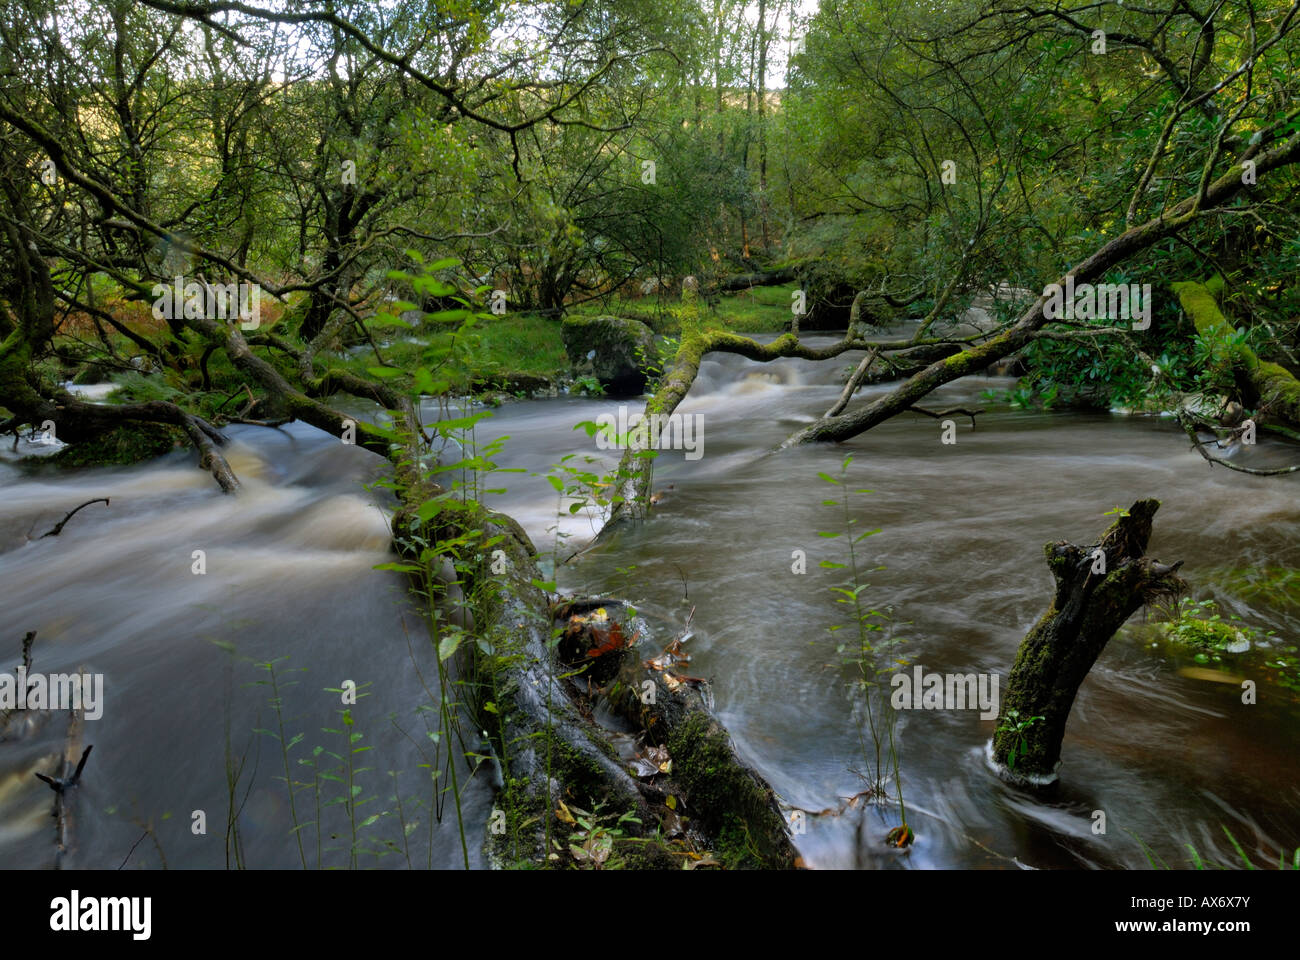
(619, 351)
(129, 443)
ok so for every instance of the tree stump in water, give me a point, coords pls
(1097, 589)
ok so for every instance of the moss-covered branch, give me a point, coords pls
(1262, 385)
(1111, 254)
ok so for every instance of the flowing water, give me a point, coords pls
(288, 575)
(1160, 745)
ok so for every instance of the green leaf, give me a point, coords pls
(381, 320)
(448, 645)
(447, 316)
(460, 423)
(428, 510)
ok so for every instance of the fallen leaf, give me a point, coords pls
(703, 862)
(672, 825)
(1214, 676)
(675, 680)
(652, 761)
(610, 642)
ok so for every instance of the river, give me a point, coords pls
(1167, 752)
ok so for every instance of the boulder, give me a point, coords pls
(615, 350)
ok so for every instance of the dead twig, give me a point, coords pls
(940, 414)
(1190, 429)
(273, 424)
(61, 784)
(58, 527)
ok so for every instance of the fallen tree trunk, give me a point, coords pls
(1025, 329)
(909, 362)
(759, 278)
(553, 756)
(1098, 587)
(635, 467)
(727, 797)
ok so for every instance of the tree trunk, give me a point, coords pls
(540, 721)
(1097, 589)
(1267, 387)
(635, 470)
(760, 278)
(1116, 251)
(762, 123)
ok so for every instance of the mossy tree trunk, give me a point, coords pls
(732, 802)
(551, 749)
(1098, 587)
(1264, 386)
(635, 468)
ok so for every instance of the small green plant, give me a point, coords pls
(287, 743)
(1013, 723)
(1199, 624)
(869, 654)
(589, 386)
(1198, 862)
(592, 843)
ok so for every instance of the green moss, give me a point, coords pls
(647, 854)
(579, 772)
(725, 796)
(735, 847)
(1276, 385)
(1262, 383)
(513, 848)
(129, 443)
(1199, 304)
